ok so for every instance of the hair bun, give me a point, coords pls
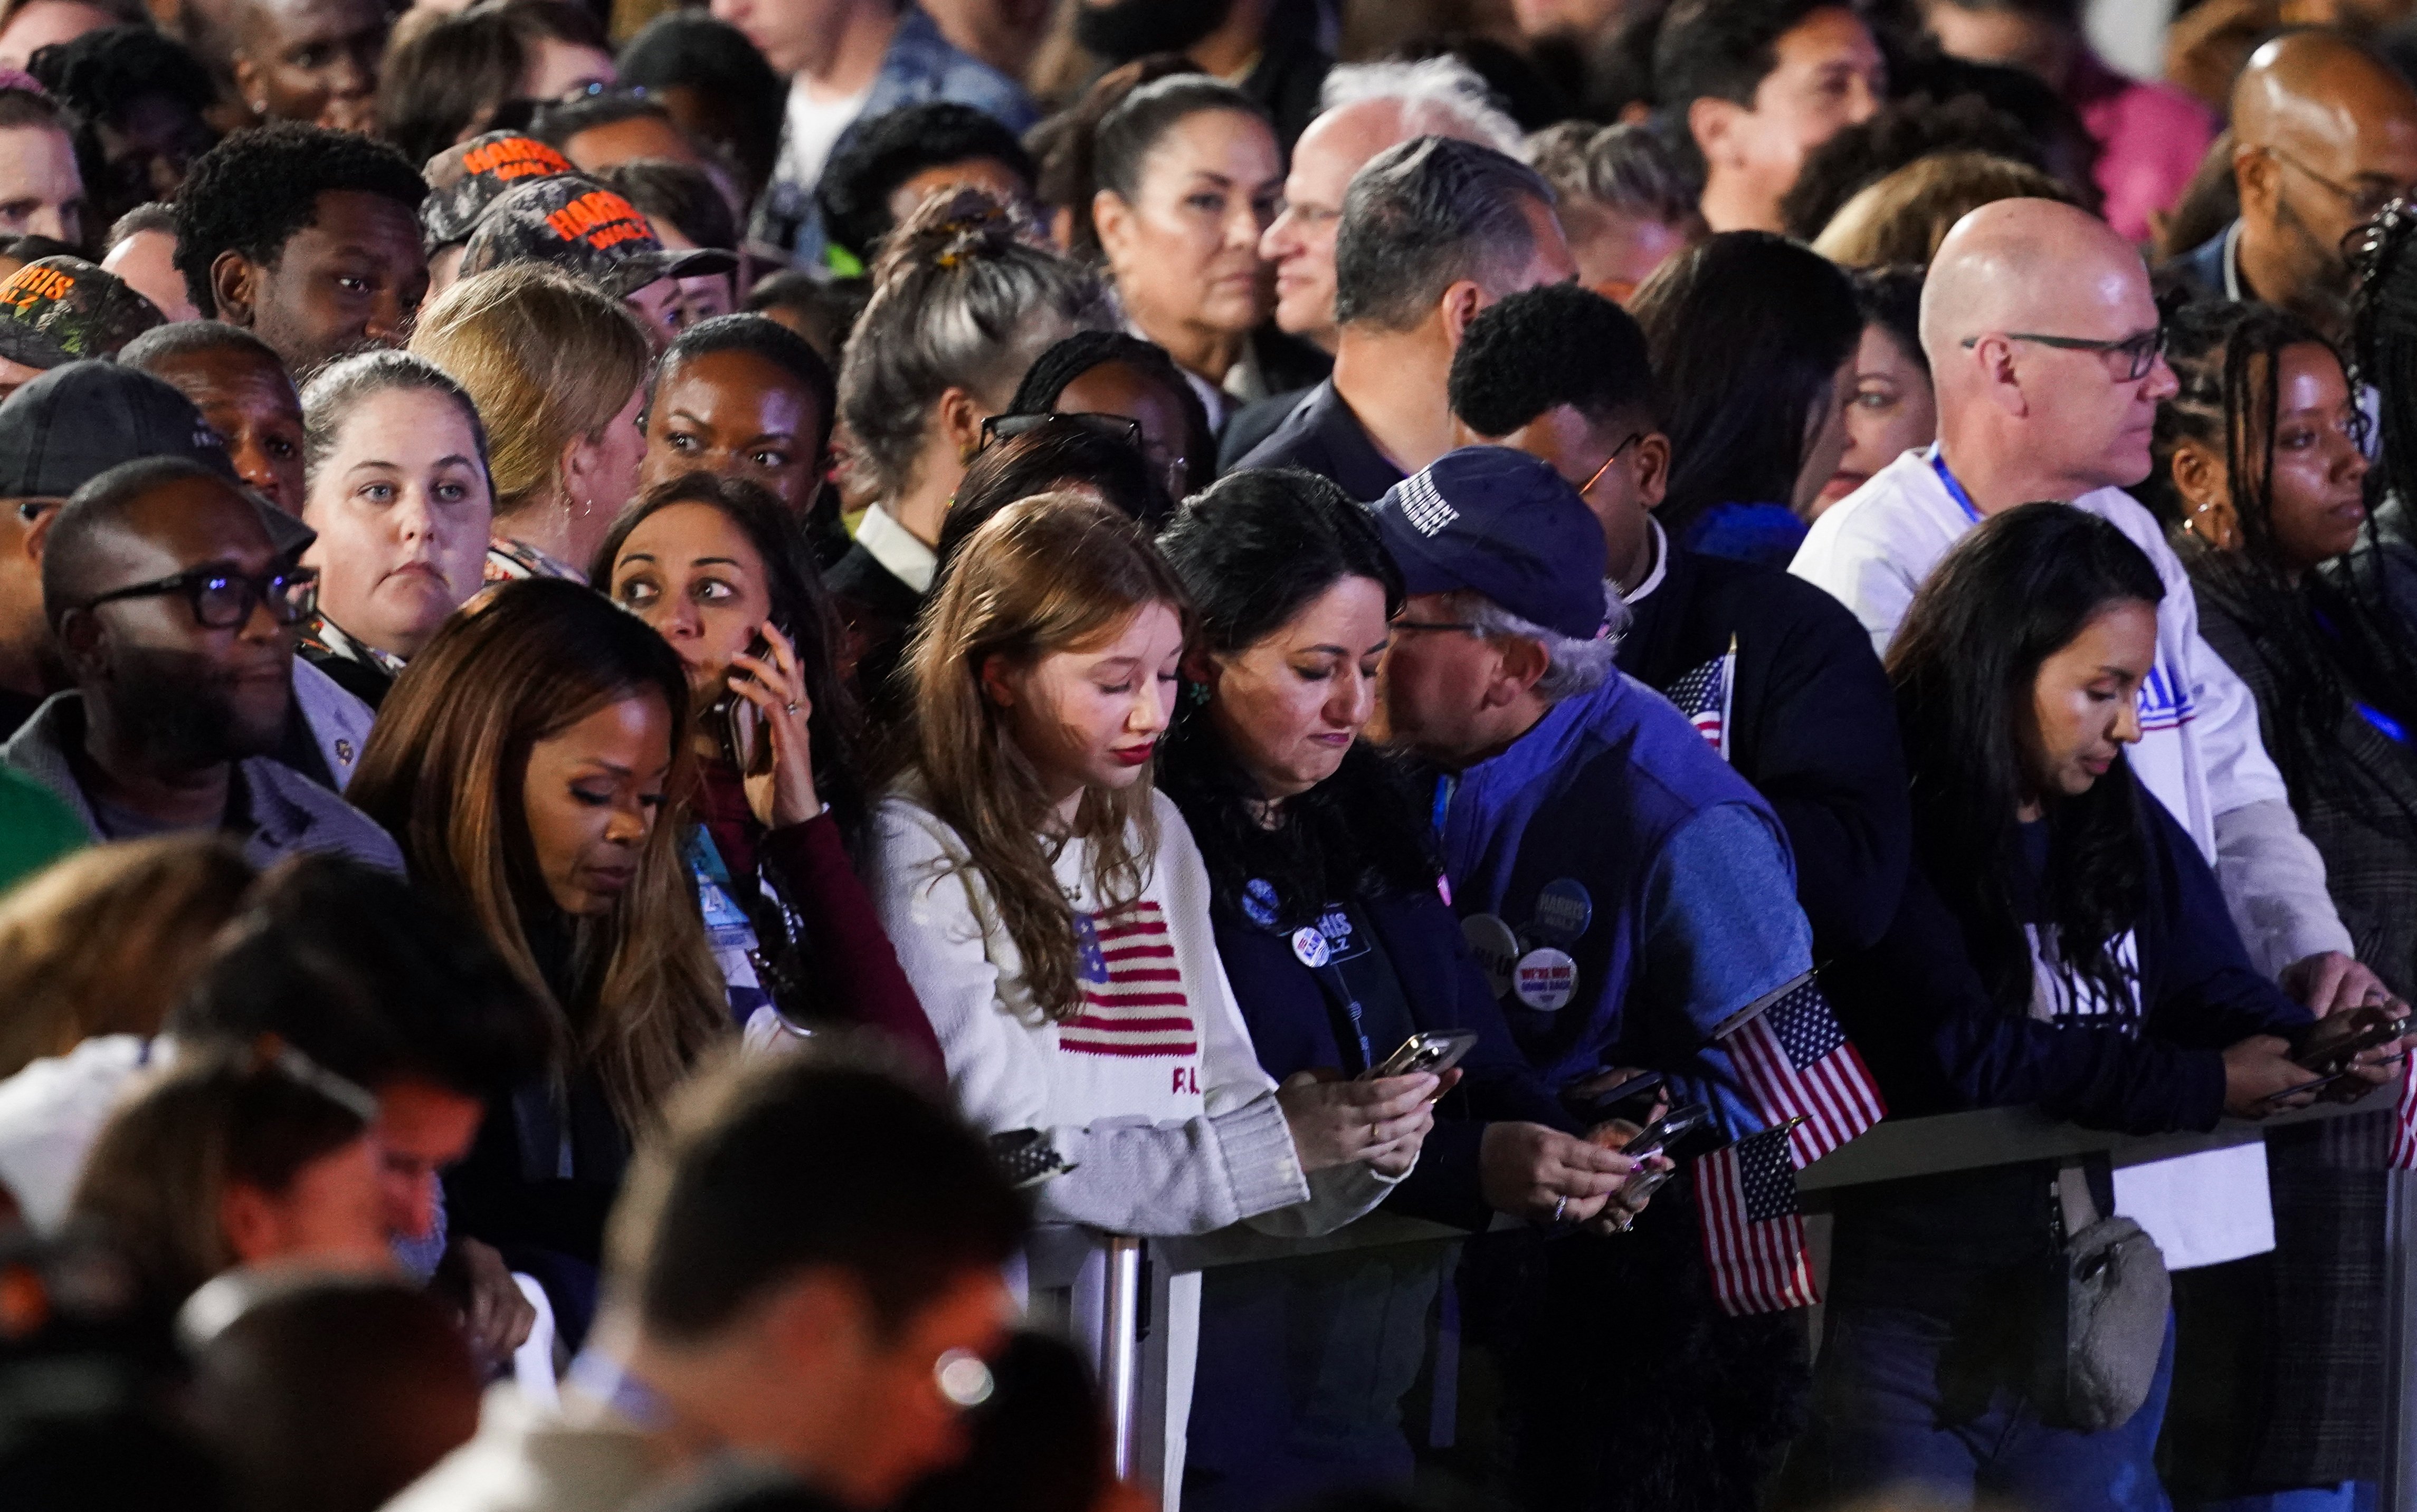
(945, 231)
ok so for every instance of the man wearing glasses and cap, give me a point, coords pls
(176, 613)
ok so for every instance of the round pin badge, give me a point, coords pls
(1495, 947)
(1259, 902)
(1563, 910)
(1309, 947)
(1545, 979)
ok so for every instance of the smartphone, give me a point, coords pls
(2382, 1032)
(1667, 1130)
(1593, 1104)
(1026, 1157)
(1434, 1052)
(745, 743)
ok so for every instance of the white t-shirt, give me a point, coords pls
(814, 127)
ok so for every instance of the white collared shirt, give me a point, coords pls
(897, 548)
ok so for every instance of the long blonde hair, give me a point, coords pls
(547, 360)
(1055, 572)
(443, 773)
(158, 903)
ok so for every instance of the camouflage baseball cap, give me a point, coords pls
(584, 229)
(463, 180)
(61, 310)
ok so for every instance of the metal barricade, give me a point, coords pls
(1147, 1389)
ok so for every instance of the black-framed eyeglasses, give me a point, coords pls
(1436, 625)
(1588, 487)
(1116, 428)
(1174, 472)
(224, 600)
(2365, 202)
(2138, 351)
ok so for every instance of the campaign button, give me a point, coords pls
(1545, 979)
(1495, 947)
(1563, 910)
(1259, 902)
(1309, 947)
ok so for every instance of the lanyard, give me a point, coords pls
(1445, 785)
(1954, 489)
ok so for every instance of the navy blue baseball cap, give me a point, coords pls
(1503, 524)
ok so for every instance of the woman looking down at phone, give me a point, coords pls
(2063, 943)
(1322, 880)
(1052, 913)
(524, 762)
(722, 571)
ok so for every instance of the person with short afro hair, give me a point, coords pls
(277, 222)
(1563, 373)
(909, 153)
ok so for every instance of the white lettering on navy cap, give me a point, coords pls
(1422, 507)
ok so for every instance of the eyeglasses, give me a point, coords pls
(2365, 202)
(2138, 351)
(222, 599)
(1113, 427)
(1437, 624)
(1173, 470)
(1588, 487)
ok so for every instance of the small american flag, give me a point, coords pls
(2404, 1119)
(1795, 1062)
(1133, 992)
(1704, 697)
(1753, 1233)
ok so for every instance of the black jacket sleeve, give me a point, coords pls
(1824, 752)
(2197, 987)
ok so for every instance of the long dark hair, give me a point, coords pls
(2228, 360)
(1253, 552)
(2010, 596)
(801, 606)
(640, 997)
(1747, 332)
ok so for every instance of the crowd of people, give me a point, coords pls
(670, 679)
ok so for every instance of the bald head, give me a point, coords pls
(2028, 265)
(2325, 136)
(2314, 87)
(2035, 316)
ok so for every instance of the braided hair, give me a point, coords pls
(1083, 351)
(2228, 360)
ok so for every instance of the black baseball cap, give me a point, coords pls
(75, 422)
(1503, 524)
(582, 228)
(61, 310)
(464, 180)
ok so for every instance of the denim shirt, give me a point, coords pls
(920, 67)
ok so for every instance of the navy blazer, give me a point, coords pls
(1292, 1014)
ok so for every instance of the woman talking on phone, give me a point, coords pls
(722, 571)
(2063, 943)
(1322, 885)
(1052, 913)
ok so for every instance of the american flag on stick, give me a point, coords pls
(1705, 695)
(1795, 1062)
(1754, 1232)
